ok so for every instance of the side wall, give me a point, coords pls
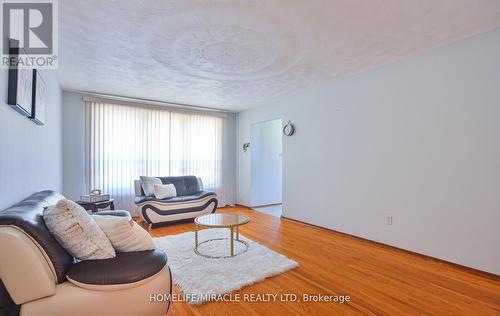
(74, 150)
(30, 155)
(418, 140)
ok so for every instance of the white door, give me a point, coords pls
(266, 163)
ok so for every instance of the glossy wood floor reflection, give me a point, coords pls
(381, 280)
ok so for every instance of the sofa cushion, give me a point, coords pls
(77, 232)
(178, 199)
(126, 267)
(27, 216)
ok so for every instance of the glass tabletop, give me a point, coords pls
(222, 220)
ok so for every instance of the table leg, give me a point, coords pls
(112, 206)
(196, 237)
(238, 232)
(232, 241)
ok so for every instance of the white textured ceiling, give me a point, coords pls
(235, 54)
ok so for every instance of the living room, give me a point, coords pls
(250, 157)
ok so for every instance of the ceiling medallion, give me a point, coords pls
(224, 50)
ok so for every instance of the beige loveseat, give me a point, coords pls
(38, 277)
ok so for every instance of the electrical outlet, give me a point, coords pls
(388, 220)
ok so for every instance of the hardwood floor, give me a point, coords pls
(380, 280)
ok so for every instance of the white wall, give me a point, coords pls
(74, 145)
(229, 160)
(74, 150)
(418, 139)
(266, 163)
(30, 155)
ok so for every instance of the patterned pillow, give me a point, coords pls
(165, 191)
(77, 232)
(148, 183)
(125, 234)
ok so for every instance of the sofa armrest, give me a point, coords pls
(200, 184)
(142, 198)
(127, 269)
(24, 269)
(137, 188)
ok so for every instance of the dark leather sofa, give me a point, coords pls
(191, 201)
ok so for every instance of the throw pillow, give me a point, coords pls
(125, 234)
(77, 232)
(165, 191)
(148, 183)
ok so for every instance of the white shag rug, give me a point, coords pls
(197, 276)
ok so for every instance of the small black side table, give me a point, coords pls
(95, 206)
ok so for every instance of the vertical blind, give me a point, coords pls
(124, 142)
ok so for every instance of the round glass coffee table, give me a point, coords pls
(222, 220)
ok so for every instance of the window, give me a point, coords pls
(124, 142)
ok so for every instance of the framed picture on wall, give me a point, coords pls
(38, 99)
(20, 83)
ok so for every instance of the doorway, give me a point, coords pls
(267, 167)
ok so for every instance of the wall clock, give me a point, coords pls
(289, 129)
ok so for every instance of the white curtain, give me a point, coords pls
(124, 142)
